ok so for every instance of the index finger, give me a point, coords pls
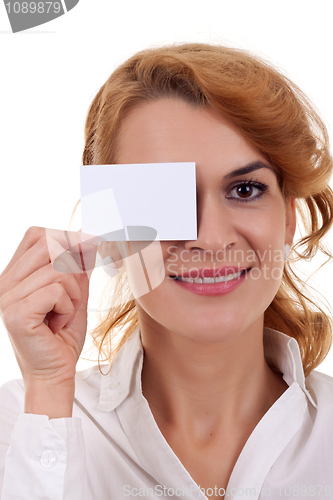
(69, 240)
(31, 236)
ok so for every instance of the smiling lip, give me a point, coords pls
(219, 288)
(211, 273)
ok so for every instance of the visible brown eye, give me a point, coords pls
(247, 191)
(244, 191)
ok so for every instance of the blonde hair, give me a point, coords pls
(276, 117)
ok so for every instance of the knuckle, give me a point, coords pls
(42, 241)
(2, 291)
(34, 232)
(42, 244)
(57, 290)
(2, 304)
(72, 285)
(11, 317)
(67, 279)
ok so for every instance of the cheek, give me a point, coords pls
(265, 278)
(265, 230)
(156, 306)
(265, 236)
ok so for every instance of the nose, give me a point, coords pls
(216, 228)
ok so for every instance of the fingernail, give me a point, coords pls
(109, 267)
(70, 322)
(108, 262)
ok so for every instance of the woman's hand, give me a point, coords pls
(43, 303)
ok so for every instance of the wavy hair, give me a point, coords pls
(280, 122)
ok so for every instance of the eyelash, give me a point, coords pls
(255, 184)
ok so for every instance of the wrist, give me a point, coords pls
(53, 400)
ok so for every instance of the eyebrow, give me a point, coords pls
(251, 167)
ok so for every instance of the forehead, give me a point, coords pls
(171, 130)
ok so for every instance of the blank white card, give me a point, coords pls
(141, 197)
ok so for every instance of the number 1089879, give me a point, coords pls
(33, 7)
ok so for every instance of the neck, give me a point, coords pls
(187, 382)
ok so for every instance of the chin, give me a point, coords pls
(214, 329)
(211, 323)
(211, 328)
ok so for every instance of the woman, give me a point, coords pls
(211, 391)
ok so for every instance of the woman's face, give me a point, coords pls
(243, 221)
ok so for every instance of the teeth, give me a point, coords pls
(208, 280)
(218, 279)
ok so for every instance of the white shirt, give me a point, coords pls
(112, 447)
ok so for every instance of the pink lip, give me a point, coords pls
(213, 288)
(211, 273)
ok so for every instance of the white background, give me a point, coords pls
(49, 75)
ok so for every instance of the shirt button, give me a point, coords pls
(48, 459)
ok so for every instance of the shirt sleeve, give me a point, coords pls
(39, 457)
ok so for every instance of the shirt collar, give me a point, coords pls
(281, 352)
